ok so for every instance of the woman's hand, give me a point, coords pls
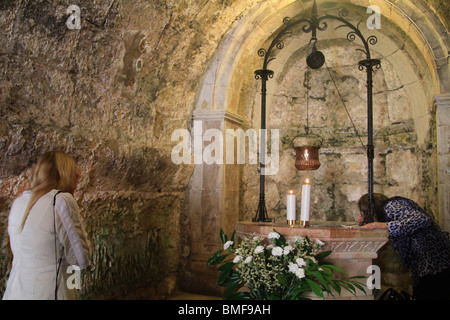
(375, 225)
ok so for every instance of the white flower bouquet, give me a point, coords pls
(281, 270)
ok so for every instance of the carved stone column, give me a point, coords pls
(442, 103)
(213, 203)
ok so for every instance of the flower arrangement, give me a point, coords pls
(282, 270)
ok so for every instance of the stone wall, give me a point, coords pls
(110, 94)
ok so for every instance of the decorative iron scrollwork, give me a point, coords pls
(351, 36)
(279, 45)
(263, 74)
(262, 52)
(372, 40)
(343, 12)
(311, 25)
(307, 28)
(369, 63)
(323, 27)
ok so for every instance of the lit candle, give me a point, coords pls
(306, 196)
(290, 204)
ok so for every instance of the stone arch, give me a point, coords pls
(414, 18)
(223, 101)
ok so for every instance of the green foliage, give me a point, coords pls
(281, 270)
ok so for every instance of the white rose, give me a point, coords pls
(277, 251)
(287, 250)
(248, 259)
(227, 245)
(292, 267)
(300, 273)
(300, 262)
(274, 235)
(237, 259)
(259, 249)
(320, 243)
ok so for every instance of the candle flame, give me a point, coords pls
(307, 181)
(291, 192)
(306, 154)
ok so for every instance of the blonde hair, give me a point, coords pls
(54, 170)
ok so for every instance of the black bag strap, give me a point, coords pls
(58, 262)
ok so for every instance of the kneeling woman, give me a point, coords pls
(423, 247)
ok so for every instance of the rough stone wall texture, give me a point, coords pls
(110, 94)
(441, 9)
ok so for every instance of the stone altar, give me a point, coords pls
(353, 248)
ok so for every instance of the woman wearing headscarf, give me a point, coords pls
(423, 247)
(47, 235)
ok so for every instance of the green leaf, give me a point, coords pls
(359, 285)
(220, 259)
(233, 279)
(321, 280)
(335, 286)
(326, 272)
(322, 255)
(297, 292)
(315, 287)
(225, 273)
(233, 237)
(223, 236)
(240, 296)
(226, 266)
(223, 276)
(330, 266)
(230, 291)
(349, 287)
(214, 258)
(282, 279)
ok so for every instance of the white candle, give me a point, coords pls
(290, 202)
(306, 196)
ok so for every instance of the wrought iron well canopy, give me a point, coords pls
(315, 60)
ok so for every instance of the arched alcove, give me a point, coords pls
(413, 51)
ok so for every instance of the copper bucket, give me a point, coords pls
(306, 153)
(307, 158)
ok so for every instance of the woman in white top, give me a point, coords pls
(47, 235)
